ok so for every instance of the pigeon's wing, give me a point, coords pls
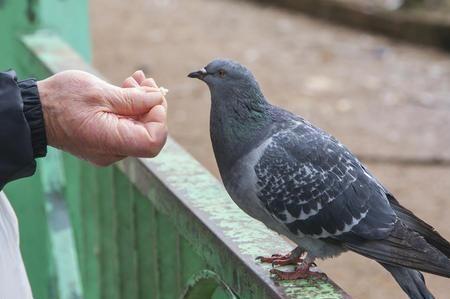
(312, 184)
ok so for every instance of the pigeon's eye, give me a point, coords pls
(221, 73)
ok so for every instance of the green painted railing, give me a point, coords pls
(144, 228)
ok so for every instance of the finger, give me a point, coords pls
(149, 82)
(164, 103)
(158, 135)
(130, 82)
(134, 101)
(156, 114)
(139, 76)
(153, 89)
(150, 89)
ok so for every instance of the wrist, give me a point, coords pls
(45, 93)
(32, 110)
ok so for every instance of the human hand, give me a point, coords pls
(100, 122)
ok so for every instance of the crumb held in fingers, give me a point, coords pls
(163, 90)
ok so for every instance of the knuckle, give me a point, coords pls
(94, 93)
(131, 82)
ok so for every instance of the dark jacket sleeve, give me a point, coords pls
(22, 129)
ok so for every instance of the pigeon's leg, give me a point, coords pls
(302, 271)
(292, 258)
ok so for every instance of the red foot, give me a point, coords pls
(301, 272)
(280, 260)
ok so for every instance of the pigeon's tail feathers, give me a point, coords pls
(424, 229)
(404, 247)
(411, 281)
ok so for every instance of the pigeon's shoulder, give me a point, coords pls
(315, 186)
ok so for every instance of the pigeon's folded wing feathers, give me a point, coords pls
(316, 187)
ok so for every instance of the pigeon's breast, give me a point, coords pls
(241, 184)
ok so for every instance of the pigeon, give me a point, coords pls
(302, 183)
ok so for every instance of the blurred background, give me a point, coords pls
(387, 100)
(375, 74)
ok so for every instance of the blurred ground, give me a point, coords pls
(379, 97)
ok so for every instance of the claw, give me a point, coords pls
(280, 260)
(262, 258)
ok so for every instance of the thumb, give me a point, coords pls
(135, 101)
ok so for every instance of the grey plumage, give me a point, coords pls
(303, 183)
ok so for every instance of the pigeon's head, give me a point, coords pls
(224, 74)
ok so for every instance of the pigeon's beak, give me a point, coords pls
(198, 74)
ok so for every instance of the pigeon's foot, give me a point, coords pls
(292, 258)
(301, 272)
(281, 260)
